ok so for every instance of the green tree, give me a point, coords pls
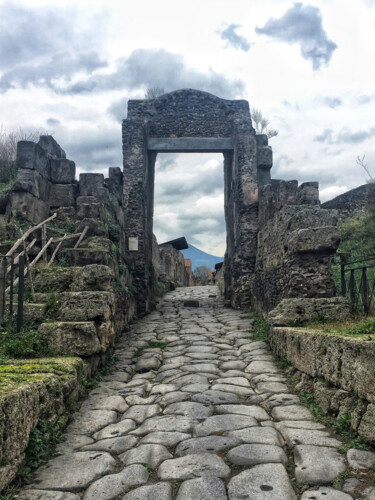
(202, 274)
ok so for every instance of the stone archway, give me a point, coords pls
(193, 121)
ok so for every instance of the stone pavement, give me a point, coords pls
(193, 409)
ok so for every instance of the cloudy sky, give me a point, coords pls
(69, 67)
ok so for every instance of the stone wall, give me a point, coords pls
(350, 203)
(30, 391)
(340, 371)
(169, 267)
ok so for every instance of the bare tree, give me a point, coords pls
(202, 273)
(361, 162)
(261, 124)
(154, 92)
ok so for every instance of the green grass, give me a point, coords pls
(24, 344)
(363, 329)
(260, 329)
(98, 377)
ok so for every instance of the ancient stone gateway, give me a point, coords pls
(193, 121)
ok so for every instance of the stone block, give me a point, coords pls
(262, 140)
(86, 200)
(32, 156)
(264, 157)
(7, 229)
(85, 256)
(63, 171)
(63, 195)
(308, 193)
(71, 339)
(366, 428)
(106, 334)
(51, 147)
(88, 211)
(51, 279)
(33, 182)
(93, 277)
(290, 312)
(90, 184)
(86, 306)
(317, 240)
(115, 173)
(64, 214)
(28, 206)
(96, 227)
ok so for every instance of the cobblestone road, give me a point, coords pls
(193, 409)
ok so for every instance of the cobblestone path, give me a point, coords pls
(193, 409)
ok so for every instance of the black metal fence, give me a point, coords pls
(358, 282)
(9, 268)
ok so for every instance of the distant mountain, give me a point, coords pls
(200, 258)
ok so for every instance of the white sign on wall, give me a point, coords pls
(133, 244)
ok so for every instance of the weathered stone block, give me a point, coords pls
(63, 195)
(32, 156)
(291, 312)
(85, 256)
(86, 306)
(90, 184)
(28, 206)
(308, 193)
(51, 147)
(63, 171)
(106, 334)
(7, 229)
(51, 279)
(96, 227)
(318, 239)
(93, 277)
(64, 214)
(88, 211)
(264, 157)
(262, 140)
(32, 182)
(72, 339)
(86, 200)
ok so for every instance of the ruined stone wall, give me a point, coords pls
(350, 203)
(294, 244)
(169, 267)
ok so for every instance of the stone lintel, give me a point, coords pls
(190, 144)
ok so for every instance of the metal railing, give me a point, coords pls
(9, 265)
(358, 282)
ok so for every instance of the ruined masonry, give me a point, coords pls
(195, 408)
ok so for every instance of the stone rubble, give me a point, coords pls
(195, 409)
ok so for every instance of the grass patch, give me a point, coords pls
(260, 329)
(24, 344)
(364, 329)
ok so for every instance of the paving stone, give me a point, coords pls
(275, 387)
(268, 377)
(195, 388)
(165, 438)
(189, 409)
(284, 399)
(261, 435)
(115, 445)
(251, 411)
(137, 400)
(242, 381)
(163, 389)
(350, 484)
(216, 397)
(201, 368)
(90, 421)
(74, 471)
(205, 445)
(360, 459)
(291, 412)
(201, 355)
(114, 430)
(192, 466)
(172, 397)
(158, 491)
(115, 403)
(139, 413)
(261, 367)
(207, 488)
(115, 385)
(46, 495)
(221, 423)
(253, 454)
(308, 437)
(73, 442)
(325, 493)
(299, 424)
(146, 364)
(109, 487)
(262, 482)
(174, 423)
(317, 464)
(369, 493)
(183, 380)
(235, 389)
(151, 454)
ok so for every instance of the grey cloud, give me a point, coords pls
(332, 102)
(157, 67)
(302, 24)
(345, 136)
(53, 122)
(233, 39)
(365, 99)
(59, 66)
(119, 109)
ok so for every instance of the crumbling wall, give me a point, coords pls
(350, 203)
(169, 267)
